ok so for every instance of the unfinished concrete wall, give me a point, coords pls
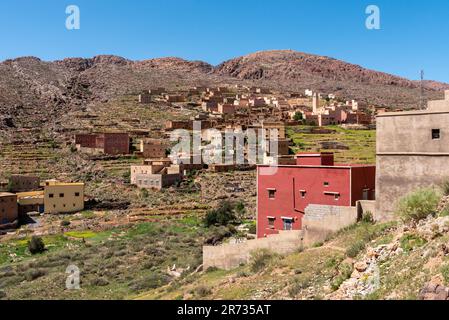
(230, 256)
(320, 221)
(412, 152)
(364, 206)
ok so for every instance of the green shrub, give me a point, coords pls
(411, 241)
(203, 291)
(344, 273)
(445, 273)
(36, 245)
(367, 217)
(33, 274)
(445, 187)
(260, 259)
(297, 286)
(144, 193)
(223, 215)
(355, 249)
(252, 229)
(418, 205)
(65, 223)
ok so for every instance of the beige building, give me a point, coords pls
(412, 152)
(62, 197)
(156, 174)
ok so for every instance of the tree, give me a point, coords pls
(223, 215)
(298, 116)
(36, 245)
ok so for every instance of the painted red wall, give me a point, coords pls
(288, 181)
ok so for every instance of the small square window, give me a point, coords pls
(326, 184)
(337, 197)
(271, 194)
(61, 195)
(271, 223)
(303, 194)
(77, 194)
(51, 195)
(435, 134)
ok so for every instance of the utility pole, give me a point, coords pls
(422, 90)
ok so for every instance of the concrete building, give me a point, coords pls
(9, 214)
(21, 183)
(412, 152)
(60, 197)
(156, 174)
(226, 108)
(284, 192)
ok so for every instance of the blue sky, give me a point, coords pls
(413, 35)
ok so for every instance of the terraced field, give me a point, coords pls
(349, 146)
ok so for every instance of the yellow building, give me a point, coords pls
(62, 197)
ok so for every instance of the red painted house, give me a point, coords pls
(284, 192)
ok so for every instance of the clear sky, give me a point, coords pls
(414, 34)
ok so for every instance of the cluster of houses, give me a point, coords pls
(412, 153)
(23, 195)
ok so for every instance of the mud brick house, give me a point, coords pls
(157, 91)
(174, 98)
(9, 214)
(412, 152)
(226, 108)
(284, 192)
(21, 183)
(152, 148)
(109, 143)
(144, 98)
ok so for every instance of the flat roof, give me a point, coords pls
(410, 113)
(6, 194)
(337, 166)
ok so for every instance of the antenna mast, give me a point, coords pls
(422, 90)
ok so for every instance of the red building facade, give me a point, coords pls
(284, 192)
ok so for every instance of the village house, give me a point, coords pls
(284, 192)
(174, 98)
(108, 143)
(144, 98)
(32, 201)
(60, 197)
(152, 148)
(9, 214)
(155, 174)
(21, 183)
(226, 108)
(412, 152)
(157, 91)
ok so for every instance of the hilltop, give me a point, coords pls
(34, 92)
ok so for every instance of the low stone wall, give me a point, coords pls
(230, 256)
(320, 221)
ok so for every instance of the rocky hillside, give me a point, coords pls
(365, 261)
(300, 70)
(34, 92)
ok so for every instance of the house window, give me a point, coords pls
(51, 195)
(435, 134)
(271, 222)
(77, 194)
(288, 224)
(326, 184)
(337, 197)
(271, 194)
(61, 195)
(303, 194)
